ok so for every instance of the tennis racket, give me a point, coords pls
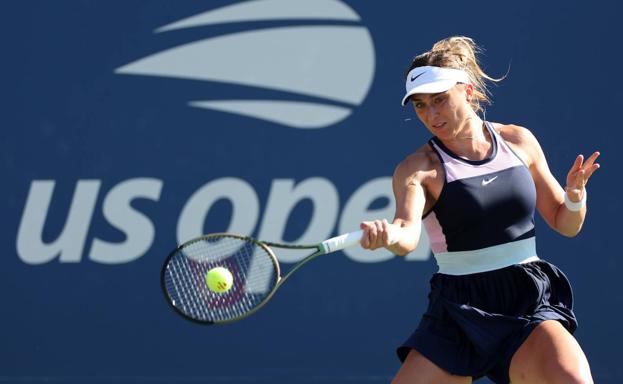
(252, 263)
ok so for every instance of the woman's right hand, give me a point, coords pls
(378, 234)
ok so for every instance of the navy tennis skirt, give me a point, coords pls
(475, 323)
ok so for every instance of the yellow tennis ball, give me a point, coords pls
(219, 279)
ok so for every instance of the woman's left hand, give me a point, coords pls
(578, 176)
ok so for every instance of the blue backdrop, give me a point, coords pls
(128, 127)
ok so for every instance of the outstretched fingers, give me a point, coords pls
(590, 166)
(581, 171)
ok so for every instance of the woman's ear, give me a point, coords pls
(469, 92)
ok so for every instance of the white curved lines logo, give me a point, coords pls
(331, 62)
(269, 10)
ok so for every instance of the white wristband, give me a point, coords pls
(575, 206)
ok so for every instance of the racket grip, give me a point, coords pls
(340, 242)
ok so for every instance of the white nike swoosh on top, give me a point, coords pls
(487, 181)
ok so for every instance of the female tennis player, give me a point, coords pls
(495, 309)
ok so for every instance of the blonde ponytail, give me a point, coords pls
(459, 52)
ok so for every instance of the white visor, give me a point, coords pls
(433, 80)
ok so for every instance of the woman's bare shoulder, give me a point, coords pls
(515, 134)
(522, 141)
(418, 164)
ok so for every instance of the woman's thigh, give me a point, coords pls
(417, 369)
(550, 355)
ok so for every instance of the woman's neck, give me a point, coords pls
(471, 141)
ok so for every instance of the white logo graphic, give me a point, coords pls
(248, 215)
(488, 181)
(333, 66)
(330, 63)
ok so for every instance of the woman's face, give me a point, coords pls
(444, 113)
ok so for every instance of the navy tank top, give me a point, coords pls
(483, 203)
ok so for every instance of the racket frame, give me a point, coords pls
(264, 245)
(328, 246)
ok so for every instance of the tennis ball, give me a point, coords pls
(219, 279)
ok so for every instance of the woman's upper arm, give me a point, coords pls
(549, 193)
(409, 190)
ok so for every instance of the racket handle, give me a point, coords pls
(340, 242)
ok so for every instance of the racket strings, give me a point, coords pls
(254, 272)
